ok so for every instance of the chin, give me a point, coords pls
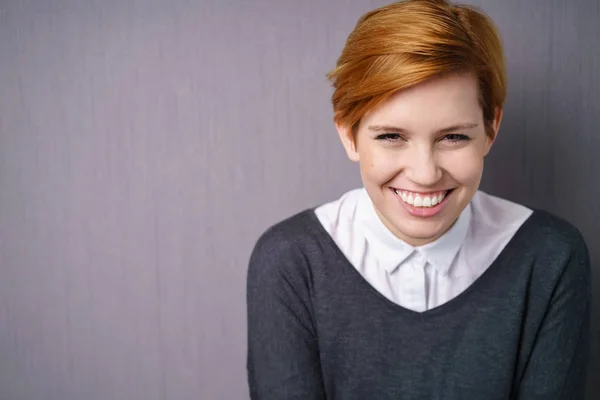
(422, 234)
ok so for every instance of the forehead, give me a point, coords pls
(432, 104)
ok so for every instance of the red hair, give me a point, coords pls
(408, 42)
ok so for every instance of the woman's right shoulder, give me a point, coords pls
(287, 245)
(311, 223)
(292, 230)
(302, 237)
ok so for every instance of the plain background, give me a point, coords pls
(145, 145)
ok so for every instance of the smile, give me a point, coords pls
(424, 200)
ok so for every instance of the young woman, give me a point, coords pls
(418, 285)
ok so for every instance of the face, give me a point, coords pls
(421, 155)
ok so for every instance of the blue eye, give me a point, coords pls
(456, 137)
(389, 137)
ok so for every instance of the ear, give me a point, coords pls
(348, 140)
(495, 128)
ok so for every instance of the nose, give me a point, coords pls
(422, 167)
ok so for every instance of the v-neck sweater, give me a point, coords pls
(318, 330)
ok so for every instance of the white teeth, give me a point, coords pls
(421, 201)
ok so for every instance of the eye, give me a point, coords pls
(456, 138)
(389, 137)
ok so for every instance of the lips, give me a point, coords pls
(420, 199)
(423, 205)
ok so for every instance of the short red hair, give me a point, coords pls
(408, 42)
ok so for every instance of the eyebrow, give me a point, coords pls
(390, 128)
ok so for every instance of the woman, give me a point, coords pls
(418, 285)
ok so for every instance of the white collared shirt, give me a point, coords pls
(424, 277)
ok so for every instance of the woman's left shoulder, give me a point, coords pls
(556, 234)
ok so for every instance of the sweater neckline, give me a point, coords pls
(513, 247)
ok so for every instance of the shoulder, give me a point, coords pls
(288, 247)
(556, 236)
(304, 241)
(551, 240)
(290, 232)
(560, 257)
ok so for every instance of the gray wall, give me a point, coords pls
(144, 145)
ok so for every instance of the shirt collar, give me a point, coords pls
(392, 251)
(442, 252)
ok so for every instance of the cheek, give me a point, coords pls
(378, 166)
(465, 167)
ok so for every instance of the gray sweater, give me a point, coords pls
(318, 330)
